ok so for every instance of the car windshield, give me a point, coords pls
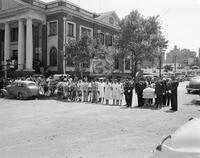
(56, 77)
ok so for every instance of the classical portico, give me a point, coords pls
(24, 20)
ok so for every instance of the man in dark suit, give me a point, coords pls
(174, 94)
(159, 94)
(164, 85)
(128, 92)
(168, 92)
(139, 91)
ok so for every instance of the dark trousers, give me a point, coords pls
(128, 101)
(174, 102)
(164, 99)
(140, 100)
(159, 100)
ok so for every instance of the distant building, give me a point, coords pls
(184, 57)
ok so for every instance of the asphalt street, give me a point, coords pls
(49, 128)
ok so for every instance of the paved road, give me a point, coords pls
(57, 129)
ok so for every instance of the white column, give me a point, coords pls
(40, 42)
(29, 45)
(20, 44)
(7, 42)
(64, 43)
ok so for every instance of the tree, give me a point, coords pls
(80, 52)
(140, 38)
(168, 68)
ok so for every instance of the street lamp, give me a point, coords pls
(175, 63)
(8, 61)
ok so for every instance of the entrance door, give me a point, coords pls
(14, 58)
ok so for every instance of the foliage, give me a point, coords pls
(140, 38)
(168, 68)
(81, 51)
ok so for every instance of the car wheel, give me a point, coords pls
(188, 91)
(20, 96)
(33, 97)
(2, 95)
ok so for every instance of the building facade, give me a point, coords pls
(33, 33)
(184, 57)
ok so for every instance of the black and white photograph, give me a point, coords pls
(99, 79)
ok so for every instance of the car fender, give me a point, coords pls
(5, 92)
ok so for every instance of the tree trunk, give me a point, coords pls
(135, 71)
(81, 70)
(160, 66)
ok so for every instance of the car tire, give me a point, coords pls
(33, 97)
(20, 96)
(2, 94)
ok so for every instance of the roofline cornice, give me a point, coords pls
(79, 15)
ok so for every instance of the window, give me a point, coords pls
(102, 38)
(127, 64)
(53, 28)
(109, 40)
(86, 31)
(86, 64)
(53, 57)
(71, 30)
(116, 63)
(14, 34)
(2, 35)
(111, 20)
(70, 60)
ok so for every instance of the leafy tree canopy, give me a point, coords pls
(140, 37)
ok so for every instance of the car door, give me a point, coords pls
(12, 89)
(21, 88)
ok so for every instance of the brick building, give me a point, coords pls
(184, 57)
(33, 33)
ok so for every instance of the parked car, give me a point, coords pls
(20, 89)
(184, 143)
(56, 77)
(180, 78)
(194, 84)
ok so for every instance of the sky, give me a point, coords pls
(180, 19)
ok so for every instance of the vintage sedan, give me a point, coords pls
(21, 90)
(194, 84)
(184, 143)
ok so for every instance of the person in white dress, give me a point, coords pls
(101, 88)
(108, 92)
(114, 92)
(120, 92)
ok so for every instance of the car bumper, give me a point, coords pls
(175, 153)
(192, 89)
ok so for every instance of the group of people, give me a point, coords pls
(96, 91)
(159, 92)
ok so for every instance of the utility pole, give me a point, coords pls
(175, 63)
(160, 65)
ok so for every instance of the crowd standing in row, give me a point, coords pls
(148, 92)
(161, 93)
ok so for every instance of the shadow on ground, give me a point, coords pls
(194, 102)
